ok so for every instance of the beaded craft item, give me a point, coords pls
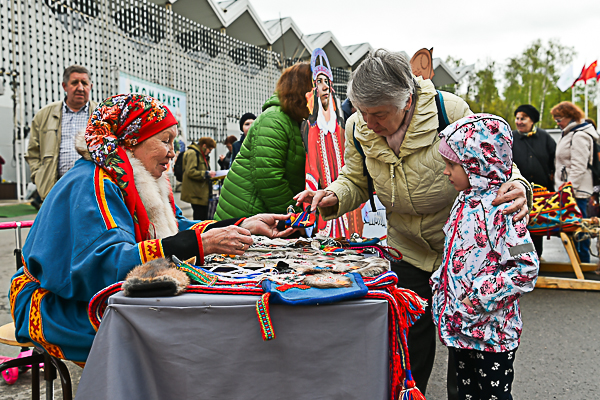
(305, 219)
(288, 271)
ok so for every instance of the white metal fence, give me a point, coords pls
(222, 76)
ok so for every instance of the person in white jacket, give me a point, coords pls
(574, 152)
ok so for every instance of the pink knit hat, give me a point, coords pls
(447, 152)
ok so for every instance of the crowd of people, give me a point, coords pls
(456, 188)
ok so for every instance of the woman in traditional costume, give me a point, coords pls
(112, 211)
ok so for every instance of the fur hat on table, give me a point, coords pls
(156, 278)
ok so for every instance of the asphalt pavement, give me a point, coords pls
(559, 355)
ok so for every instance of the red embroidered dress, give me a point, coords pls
(324, 163)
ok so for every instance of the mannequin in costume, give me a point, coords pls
(323, 136)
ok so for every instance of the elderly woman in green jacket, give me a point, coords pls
(269, 169)
(397, 127)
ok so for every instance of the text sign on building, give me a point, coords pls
(175, 100)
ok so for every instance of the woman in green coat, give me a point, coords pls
(269, 169)
(196, 187)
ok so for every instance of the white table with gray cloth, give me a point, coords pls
(209, 346)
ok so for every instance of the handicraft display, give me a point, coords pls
(292, 272)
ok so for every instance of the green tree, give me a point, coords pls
(531, 79)
(482, 93)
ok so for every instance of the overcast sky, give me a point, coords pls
(467, 29)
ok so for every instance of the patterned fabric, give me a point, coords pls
(488, 258)
(72, 122)
(485, 376)
(554, 212)
(264, 317)
(121, 122)
(302, 295)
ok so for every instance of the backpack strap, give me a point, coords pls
(197, 155)
(370, 186)
(443, 121)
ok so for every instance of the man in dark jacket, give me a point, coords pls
(533, 152)
(245, 124)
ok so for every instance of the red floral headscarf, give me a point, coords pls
(120, 122)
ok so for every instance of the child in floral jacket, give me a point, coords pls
(489, 260)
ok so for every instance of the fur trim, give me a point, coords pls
(153, 192)
(155, 196)
(327, 280)
(158, 277)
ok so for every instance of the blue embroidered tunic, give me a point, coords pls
(82, 241)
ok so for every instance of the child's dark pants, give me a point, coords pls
(484, 375)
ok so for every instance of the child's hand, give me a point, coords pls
(467, 302)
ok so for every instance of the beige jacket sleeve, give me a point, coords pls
(33, 157)
(351, 185)
(581, 151)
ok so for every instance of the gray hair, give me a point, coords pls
(78, 69)
(383, 78)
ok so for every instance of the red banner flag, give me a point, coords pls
(590, 72)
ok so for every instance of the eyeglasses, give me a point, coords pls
(558, 120)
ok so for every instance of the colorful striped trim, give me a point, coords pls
(240, 221)
(199, 275)
(200, 246)
(201, 226)
(99, 302)
(36, 329)
(264, 319)
(16, 286)
(253, 291)
(99, 177)
(28, 274)
(151, 250)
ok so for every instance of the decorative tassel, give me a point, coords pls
(410, 391)
(264, 318)
(412, 303)
(411, 394)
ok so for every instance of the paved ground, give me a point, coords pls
(558, 357)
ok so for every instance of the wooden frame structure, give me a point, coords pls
(576, 266)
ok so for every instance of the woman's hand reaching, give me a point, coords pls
(320, 198)
(266, 225)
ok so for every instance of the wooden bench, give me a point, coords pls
(576, 266)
